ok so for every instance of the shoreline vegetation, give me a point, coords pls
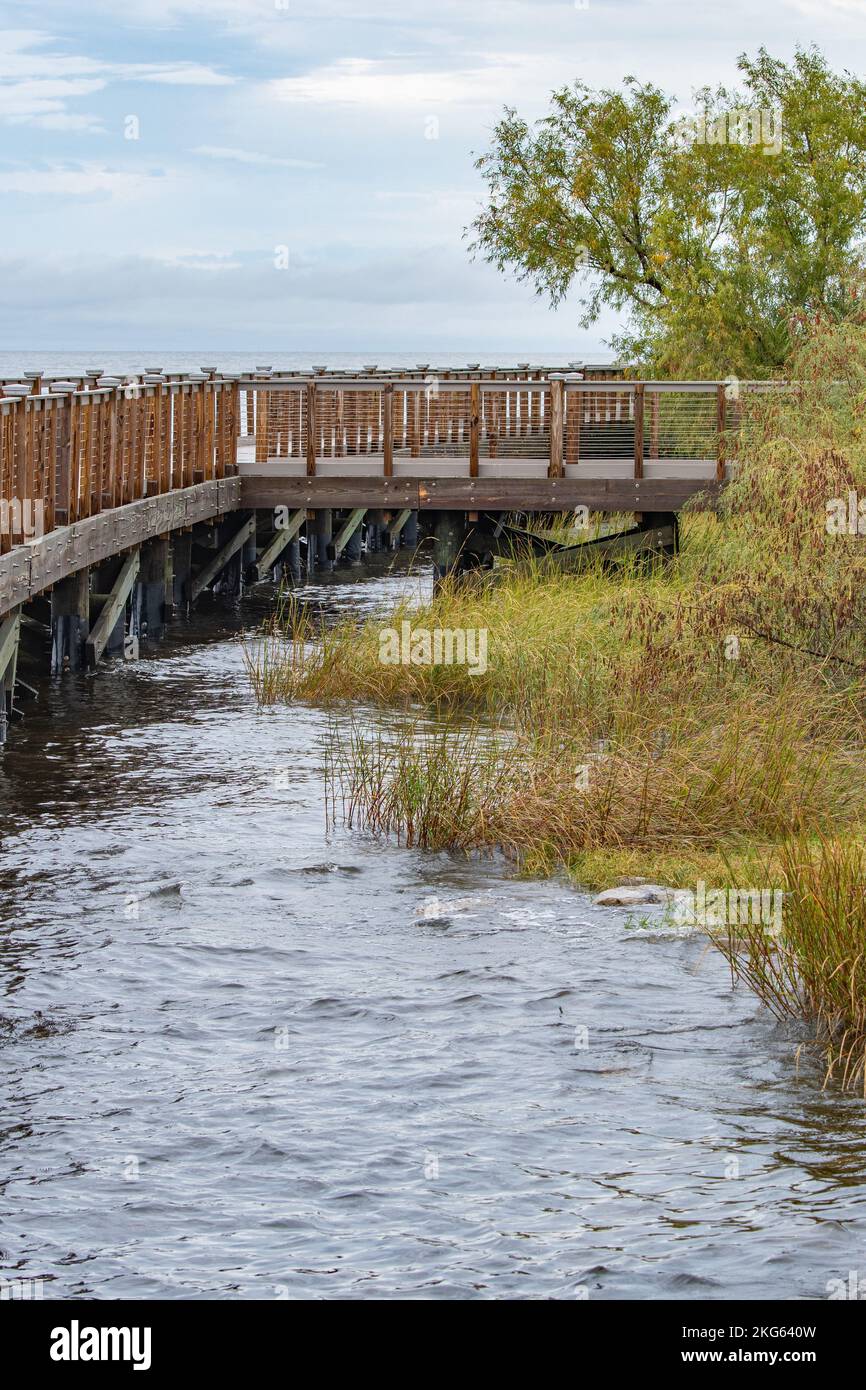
(700, 720)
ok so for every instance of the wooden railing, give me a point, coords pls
(72, 448)
(558, 421)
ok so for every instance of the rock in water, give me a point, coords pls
(645, 895)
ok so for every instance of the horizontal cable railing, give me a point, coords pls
(561, 422)
(72, 447)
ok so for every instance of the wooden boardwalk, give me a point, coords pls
(187, 471)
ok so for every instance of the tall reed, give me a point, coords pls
(814, 971)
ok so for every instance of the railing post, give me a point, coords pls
(556, 398)
(474, 424)
(388, 428)
(638, 429)
(311, 429)
(66, 443)
(261, 426)
(721, 399)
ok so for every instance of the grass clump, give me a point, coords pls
(814, 970)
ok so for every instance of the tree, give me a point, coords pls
(715, 233)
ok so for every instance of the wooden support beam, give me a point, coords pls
(113, 609)
(70, 621)
(448, 534)
(269, 557)
(155, 576)
(348, 529)
(396, 526)
(215, 566)
(181, 572)
(482, 494)
(9, 634)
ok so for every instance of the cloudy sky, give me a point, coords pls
(297, 174)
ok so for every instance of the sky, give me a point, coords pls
(257, 175)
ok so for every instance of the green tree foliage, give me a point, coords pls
(715, 233)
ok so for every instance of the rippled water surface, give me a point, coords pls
(243, 1058)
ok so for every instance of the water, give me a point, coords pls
(239, 1061)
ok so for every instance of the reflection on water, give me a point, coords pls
(244, 1058)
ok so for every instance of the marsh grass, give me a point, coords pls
(814, 972)
(549, 799)
(431, 788)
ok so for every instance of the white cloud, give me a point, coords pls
(37, 83)
(172, 74)
(252, 157)
(200, 260)
(43, 101)
(392, 83)
(417, 298)
(819, 8)
(84, 180)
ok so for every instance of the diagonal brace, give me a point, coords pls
(269, 557)
(9, 631)
(348, 529)
(215, 566)
(105, 624)
(396, 526)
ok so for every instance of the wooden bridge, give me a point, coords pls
(121, 501)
